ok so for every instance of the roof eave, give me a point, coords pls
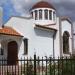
(44, 27)
(12, 35)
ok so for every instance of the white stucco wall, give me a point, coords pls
(39, 41)
(57, 40)
(66, 26)
(74, 35)
(74, 43)
(4, 40)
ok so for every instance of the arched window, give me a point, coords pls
(66, 42)
(46, 14)
(36, 15)
(40, 14)
(50, 14)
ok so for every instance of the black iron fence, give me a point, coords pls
(39, 66)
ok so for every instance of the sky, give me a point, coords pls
(21, 7)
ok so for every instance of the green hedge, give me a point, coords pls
(62, 67)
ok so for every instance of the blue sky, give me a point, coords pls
(8, 11)
(21, 7)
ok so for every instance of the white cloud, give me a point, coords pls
(22, 6)
(68, 0)
(2, 2)
(27, 1)
(60, 1)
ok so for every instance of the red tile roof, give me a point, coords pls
(43, 4)
(9, 31)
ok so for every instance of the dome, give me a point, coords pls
(43, 4)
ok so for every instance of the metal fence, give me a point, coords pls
(39, 66)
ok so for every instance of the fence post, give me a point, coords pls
(34, 64)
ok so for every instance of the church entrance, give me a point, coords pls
(12, 53)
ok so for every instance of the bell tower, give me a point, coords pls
(43, 13)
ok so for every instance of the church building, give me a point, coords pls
(43, 33)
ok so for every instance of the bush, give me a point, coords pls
(28, 69)
(62, 67)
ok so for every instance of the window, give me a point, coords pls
(40, 14)
(36, 15)
(54, 16)
(1, 51)
(25, 46)
(46, 14)
(50, 14)
(66, 42)
(32, 14)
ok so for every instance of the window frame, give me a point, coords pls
(36, 14)
(46, 14)
(40, 14)
(32, 14)
(54, 15)
(66, 42)
(50, 14)
(1, 51)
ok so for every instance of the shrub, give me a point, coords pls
(62, 67)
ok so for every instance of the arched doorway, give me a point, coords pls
(12, 55)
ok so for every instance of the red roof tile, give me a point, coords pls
(9, 31)
(43, 4)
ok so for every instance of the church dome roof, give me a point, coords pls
(42, 4)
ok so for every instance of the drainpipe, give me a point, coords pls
(53, 44)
